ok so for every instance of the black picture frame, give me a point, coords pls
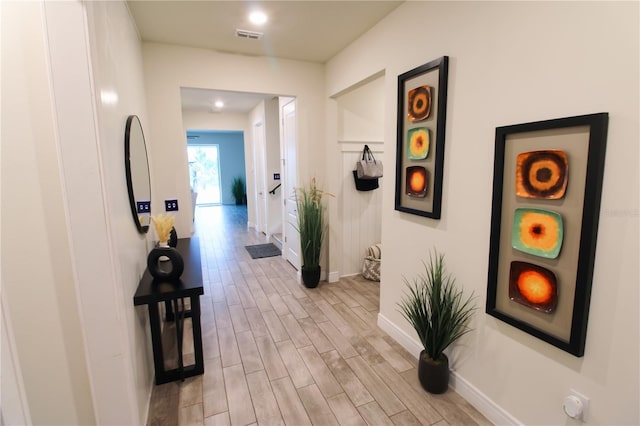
(426, 200)
(583, 139)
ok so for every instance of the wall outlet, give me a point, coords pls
(143, 206)
(171, 205)
(576, 405)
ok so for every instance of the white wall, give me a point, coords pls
(38, 282)
(167, 68)
(75, 257)
(198, 120)
(512, 63)
(116, 60)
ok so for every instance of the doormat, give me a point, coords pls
(263, 250)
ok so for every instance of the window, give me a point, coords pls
(204, 172)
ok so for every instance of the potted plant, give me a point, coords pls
(439, 314)
(237, 189)
(311, 225)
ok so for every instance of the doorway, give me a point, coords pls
(269, 167)
(291, 240)
(204, 173)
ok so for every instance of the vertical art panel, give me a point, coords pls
(547, 187)
(422, 110)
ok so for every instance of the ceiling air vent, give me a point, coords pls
(248, 34)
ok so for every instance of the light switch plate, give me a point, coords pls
(171, 205)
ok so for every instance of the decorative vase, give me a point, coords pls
(310, 276)
(173, 238)
(163, 244)
(171, 269)
(433, 375)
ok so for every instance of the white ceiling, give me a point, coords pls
(303, 30)
(234, 102)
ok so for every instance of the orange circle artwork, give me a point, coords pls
(545, 175)
(419, 107)
(539, 231)
(542, 174)
(418, 143)
(535, 287)
(417, 182)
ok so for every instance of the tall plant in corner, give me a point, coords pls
(439, 313)
(237, 189)
(311, 225)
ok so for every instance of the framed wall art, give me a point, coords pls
(422, 110)
(547, 187)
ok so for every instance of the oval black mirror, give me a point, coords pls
(137, 171)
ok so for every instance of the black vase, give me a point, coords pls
(173, 238)
(169, 268)
(433, 375)
(310, 276)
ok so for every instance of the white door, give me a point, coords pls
(259, 149)
(291, 243)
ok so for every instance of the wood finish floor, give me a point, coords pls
(277, 353)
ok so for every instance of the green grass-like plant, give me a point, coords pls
(311, 223)
(435, 308)
(237, 188)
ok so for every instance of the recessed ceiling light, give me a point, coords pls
(219, 104)
(257, 17)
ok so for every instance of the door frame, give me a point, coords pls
(289, 180)
(259, 158)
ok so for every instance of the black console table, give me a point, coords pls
(153, 291)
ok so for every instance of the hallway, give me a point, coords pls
(278, 353)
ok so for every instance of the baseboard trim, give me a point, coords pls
(399, 336)
(334, 277)
(492, 411)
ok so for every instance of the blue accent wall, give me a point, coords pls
(231, 151)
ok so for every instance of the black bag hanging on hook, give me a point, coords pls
(368, 167)
(365, 184)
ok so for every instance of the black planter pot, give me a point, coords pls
(310, 277)
(433, 375)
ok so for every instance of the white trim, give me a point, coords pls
(334, 276)
(352, 146)
(492, 411)
(368, 142)
(14, 407)
(360, 83)
(350, 275)
(399, 336)
(481, 402)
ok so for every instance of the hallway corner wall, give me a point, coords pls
(503, 69)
